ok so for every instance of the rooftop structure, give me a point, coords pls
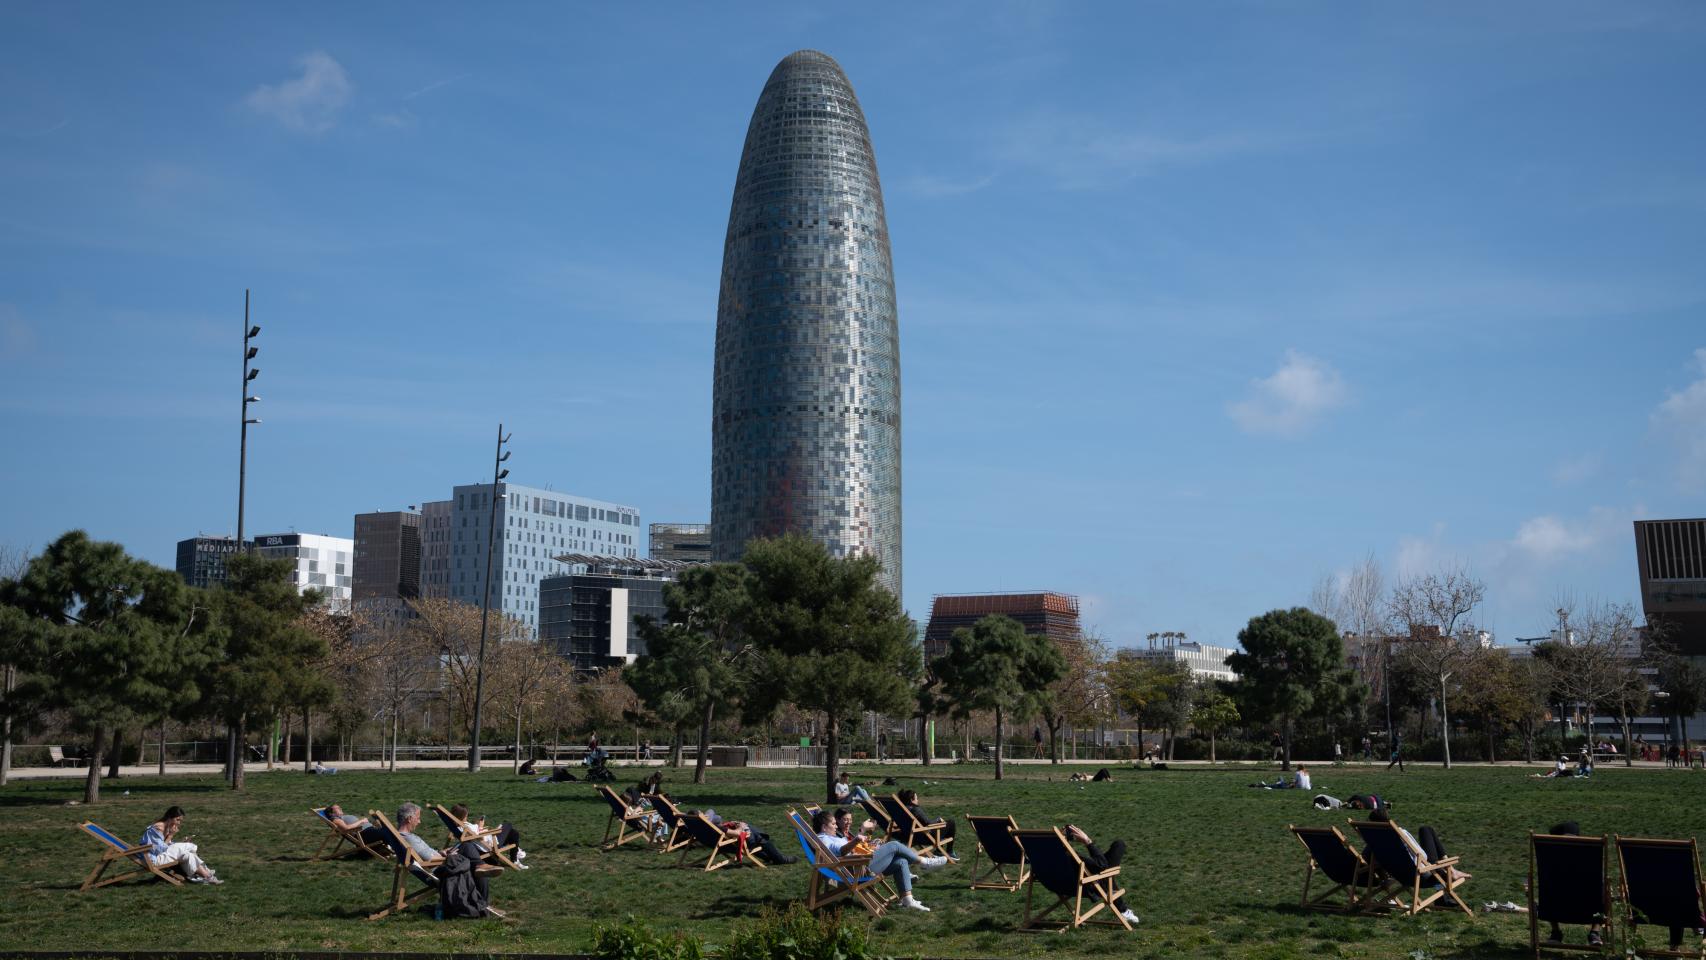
(1053, 615)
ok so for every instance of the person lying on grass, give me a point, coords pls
(163, 847)
(506, 835)
(1301, 782)
(893, 858)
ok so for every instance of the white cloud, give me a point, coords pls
(1550, 536)
(1080, 152)
(1682, 415)
(309, 103)
(930, 185)
(1293, 399)
(1575, 470)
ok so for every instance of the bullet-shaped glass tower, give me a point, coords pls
(805, 406)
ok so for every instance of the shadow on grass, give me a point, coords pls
(733, 907)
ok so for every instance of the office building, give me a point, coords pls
(1203, 659)
(805, 418)
(1671, 558)
(681, 541)
(387, 556)
(320, 563)
(589, 618)
(201, 560)
(435, 548)
(533, 527)
(1052, 615)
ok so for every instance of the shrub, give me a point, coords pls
(797, 934)
(633, 940)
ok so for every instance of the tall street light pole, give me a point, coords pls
(249, 375)
(498, 473)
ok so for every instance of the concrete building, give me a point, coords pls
(321, 563)
(201, 560)
(1203, 659)
(435, 548)
(805, 401)
(387, 556)
(589, 618)
(533, 527)
(681, 541)
(1671, 559)
(1053, 615)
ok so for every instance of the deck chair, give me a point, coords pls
(1661, 885)
(712, 837)
(1333, 857)
(929, 839)
(134, 857)
(404, 864)
(1057, 866)
(1402, 869)
(621, 819)
(995, 841)
(340, 834)
(1566, 884)
(461, 830)
(879, 816)
(837, 878)
(671, 816)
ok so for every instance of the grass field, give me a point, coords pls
(1212, 870)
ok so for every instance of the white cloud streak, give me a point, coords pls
(1293, 399)
(309, 103)
(1682, 416)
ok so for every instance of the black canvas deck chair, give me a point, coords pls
(725, 848)
(1057, 866)
(133, 859)
(929, 839)
(1661, 886)
(879, 816)
(834, 879)
(671, 816)
(461, 830)
(1402, 870)
(995, 842)
(1566, 885)
(405, 863)
(1331, 855)
(340, 834)
(625, 823)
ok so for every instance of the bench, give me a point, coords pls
(57, 757)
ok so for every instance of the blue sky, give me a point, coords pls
(1199, 302)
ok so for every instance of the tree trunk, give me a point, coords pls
(1623, 717)
(162, 748)
(1211, 759)
(515, 761)
(116, 754)
(1285, 743)
(998, 732)
(705, 717)
(1172, 741)
(832, 761)
(924, 757)
(237, 747)
(1054, 743)
(1492, 745)
(92, 780)
(307, 739)
(11, 678)
(272, 739)
(675, 738)
(395, 723)
(1444, 725)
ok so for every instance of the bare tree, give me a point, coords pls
(1431, 615)
(453, 629)
(1356, 602)
(523, 675)
(1080, 695)
(1598, 664)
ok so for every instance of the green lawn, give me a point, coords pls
(1211, 870)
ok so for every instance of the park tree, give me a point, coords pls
(995, 665)
(13, 562)
(1356, 601)
(1683, 686)
(452, 628)
(827, 637)
(270, 656)
(522, 674)
(400, 661)
(1212, 711)
(1148, 691)
(108, 640)
(695, 661)
(1079, 696)
(1595, 662)
(1500, 694)
(605, 700)
(1430, 614)
(1290, 660)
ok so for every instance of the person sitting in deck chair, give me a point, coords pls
(507, 834)
(163, 847)
(370, 834)
(844, 825)
(409, 820)
(892, 858)
(909, 797)
(1426, 838)
(1098, 860)
(1570, 828)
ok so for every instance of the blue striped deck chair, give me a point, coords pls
(134, 856)
(835, 878)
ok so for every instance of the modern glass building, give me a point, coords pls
(805, 421)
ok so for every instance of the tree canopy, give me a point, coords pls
(995, 665)
(1291, 662)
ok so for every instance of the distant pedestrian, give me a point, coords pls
(1278, 743)
(1397, 753)
(1338, 752)
(1037, 739)
(1367, 749)
(882, 746)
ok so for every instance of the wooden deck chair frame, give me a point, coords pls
(712, 837)
(676, 839)
(874, 810)
(338, 835)
(114, 850)
(993, 828)
(461, 830)
(1386, 881)
(834, 878)
(926, 838)
(1535, 892)
(404, 863)
(621, 819)
(1692, 849)
(1361, 872)
(1050, 845)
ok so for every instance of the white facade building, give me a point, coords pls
(1204, 659)
(322, 563)
(533, 526)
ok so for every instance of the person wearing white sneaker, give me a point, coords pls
(892, 858)
(163, 846)
(1098, 860)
